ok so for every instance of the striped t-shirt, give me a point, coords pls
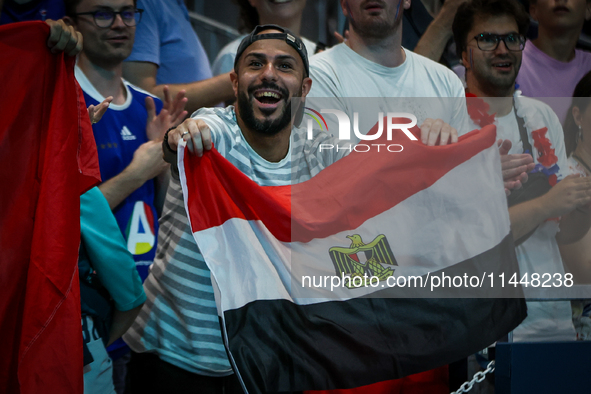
(179, 320)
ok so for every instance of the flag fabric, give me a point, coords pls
(47, 159)
(429, 211)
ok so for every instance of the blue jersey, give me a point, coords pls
(120, 132)
(37, 10)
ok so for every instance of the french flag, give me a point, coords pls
(385, 226)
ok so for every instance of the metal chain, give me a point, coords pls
(478, 377)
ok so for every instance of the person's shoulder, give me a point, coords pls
(326, 70)
(138, 92)
(432, 67)
(139, 95)
(329, 58)
(226, 113)
(443, 79)
(584, 56)
(232, 46)
(218, 118)
(224, 61)
(310, 46)
(536, 113)
(536, 105)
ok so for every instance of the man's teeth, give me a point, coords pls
(269, 94)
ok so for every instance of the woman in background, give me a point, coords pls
(577, 256)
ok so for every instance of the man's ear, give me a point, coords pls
(69, 21)
(466, 59)
(532, 11)
(234, 80)
(306, 86)
(577, 116)
(345, 7)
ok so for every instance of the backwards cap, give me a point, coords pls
(285, 35)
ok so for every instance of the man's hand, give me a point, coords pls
(63, 38)
(197, 134)
(175, 107)
(173, 112)
(96, 112)
(341, 38)
(515, 167)
(433, 129)
(569, 194)
(147, 161)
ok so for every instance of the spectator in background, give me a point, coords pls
(490, 36)
(31, 10)
(167, 51)
(437, 36)
(372, 63)
(551, 64)
(262, 12)
(577, 138)
(129, 135)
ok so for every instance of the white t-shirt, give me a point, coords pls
(224, 62)
(549, 320)
(342, 74)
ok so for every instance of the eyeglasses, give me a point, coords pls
(490, 41)
(105, 18)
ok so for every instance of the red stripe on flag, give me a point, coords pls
(341, 197)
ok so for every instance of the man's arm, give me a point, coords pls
(574, 226)
(206, 93)
(109, 257)
(147, 163)
(569, 194)
(435, 38)
(122, 320)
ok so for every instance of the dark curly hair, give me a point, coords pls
(581, 99)
(249, 16)
(468, 12)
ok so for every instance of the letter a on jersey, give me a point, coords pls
(140, 229)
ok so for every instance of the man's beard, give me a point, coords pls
(494, 84)
(268, 127)
(377, 29)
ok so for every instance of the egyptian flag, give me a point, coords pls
(47, 159)
(373, 219)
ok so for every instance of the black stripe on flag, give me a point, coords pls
(279, 346)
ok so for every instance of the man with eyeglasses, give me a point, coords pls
(129, 135)
(489, 35)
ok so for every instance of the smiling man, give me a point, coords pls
(490, 38)
(179, 328)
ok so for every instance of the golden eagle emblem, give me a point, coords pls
(361, 259)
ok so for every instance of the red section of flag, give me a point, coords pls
(48, 158)
(435, 381)
(325, 204)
